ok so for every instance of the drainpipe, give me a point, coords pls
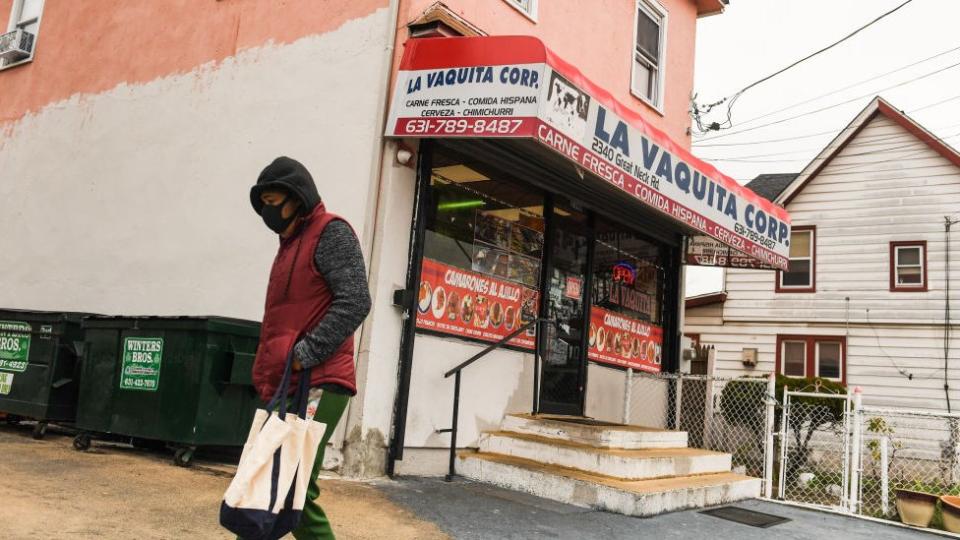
(946, 310)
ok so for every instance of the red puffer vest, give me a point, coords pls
(297, 298)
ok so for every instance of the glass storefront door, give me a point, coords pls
(563, 370)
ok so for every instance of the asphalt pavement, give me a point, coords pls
(468, 510)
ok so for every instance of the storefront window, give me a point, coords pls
(482, 253)
(627, 288)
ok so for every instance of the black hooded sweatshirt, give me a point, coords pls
(337, 257)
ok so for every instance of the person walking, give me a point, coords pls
(317, 296)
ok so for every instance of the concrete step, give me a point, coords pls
(629, 497)
(591, 433)
(614, 462)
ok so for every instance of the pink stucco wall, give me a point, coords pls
(87, 49)
(597, 37)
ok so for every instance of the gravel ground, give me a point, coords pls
(49, 490)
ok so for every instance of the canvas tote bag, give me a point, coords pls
(265, 499)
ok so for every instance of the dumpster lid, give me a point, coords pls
(33, 315)
(212, 323)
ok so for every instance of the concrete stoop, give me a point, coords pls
(625, 469)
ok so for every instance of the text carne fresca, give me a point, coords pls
(613, 142)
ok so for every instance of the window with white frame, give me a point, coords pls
(908, 261)
(800, 276)
(24, 16)
(648, 55)
(527, 7)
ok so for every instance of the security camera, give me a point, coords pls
(403, 156)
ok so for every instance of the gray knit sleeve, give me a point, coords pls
(339, 260)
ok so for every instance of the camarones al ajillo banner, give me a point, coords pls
(622, 341)
(468, 304)
(509, 86)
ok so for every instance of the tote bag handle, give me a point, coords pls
(303, 390)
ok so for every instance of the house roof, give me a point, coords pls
(876, 107)
(770, 186)
(705, 299)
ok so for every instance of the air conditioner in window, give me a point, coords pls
(16, 45)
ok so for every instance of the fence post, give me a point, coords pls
(627, 395)
(856, 451)
(784, 413)
(678, 398)
(771, 403)
(884, 478)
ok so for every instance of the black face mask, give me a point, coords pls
(273, 217)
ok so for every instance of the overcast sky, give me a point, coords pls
(755, 38)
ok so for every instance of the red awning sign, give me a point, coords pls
(509, 86)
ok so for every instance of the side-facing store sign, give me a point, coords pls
(14, 345)
(706, 251)
(505, 86)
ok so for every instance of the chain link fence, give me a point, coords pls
(805, 447)
(906, 450)
(815, 449)
(720, 414)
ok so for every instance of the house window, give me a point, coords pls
(648, 54)
(829, 360)
(908, 266)
(795, 358)
(24, 16)
(527, 7)
(801, 275)
(812, 356)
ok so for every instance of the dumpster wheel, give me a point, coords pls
(82, 442)
(39, 430)
(183, 457)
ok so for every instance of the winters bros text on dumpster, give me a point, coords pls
(507, 86)
(14, 345)
(141, 364)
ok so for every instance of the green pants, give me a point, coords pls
(314, 524)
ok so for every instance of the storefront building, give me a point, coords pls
(539, 197)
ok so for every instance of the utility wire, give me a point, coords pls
(808, 136)
(795, 138)
(882, 140)
(697, 111)
(905, 147)
(854, 85)
(853, 165)
(835, 105)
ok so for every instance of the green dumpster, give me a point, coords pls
(182, 381)
(38, 366)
